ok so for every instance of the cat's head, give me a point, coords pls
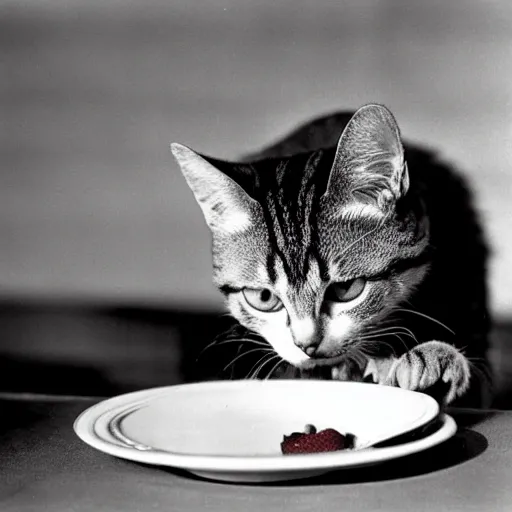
(311, 250)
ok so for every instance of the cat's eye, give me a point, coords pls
(345, 291)
(262, 299)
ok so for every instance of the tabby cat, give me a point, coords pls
(350, 256)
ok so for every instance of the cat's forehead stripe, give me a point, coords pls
(292, 204)
(303, 297)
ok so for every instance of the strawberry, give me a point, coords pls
(328, 440)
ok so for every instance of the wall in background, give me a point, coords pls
(92, 206)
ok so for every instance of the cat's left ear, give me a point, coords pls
(226, 207)
(369, 165)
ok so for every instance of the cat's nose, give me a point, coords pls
(310, 351)
(307, 336)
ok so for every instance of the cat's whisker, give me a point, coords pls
(428, 317)
(365, 357)
(395, 329)
(411, 334)
(378, 328)
(478, 361)
(274, 369)
(261, 341)
(402, 341)
(250, 373)
(238, 331)
(404, 331)
(214, 343)
(351, 355)
(373, 351)
(235, 333)
(233, 361)
(384, 335)
(389, 328)
(474, 359)
(264, 361)
(481, 366)
(249, 340)
(484, 377)
(359, 357)
(395, 334)
(217, 343)
(270, 360)
(357, 354)
(222, 342)
(482, 360)
(390, 332)
(366, 346)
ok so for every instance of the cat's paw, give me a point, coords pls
(432, 365)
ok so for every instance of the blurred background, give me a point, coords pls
(105, 272)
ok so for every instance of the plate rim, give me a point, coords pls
(85, 426)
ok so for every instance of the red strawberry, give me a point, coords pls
(328, 440)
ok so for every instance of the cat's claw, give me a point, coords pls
(377, 370)
(432, 363)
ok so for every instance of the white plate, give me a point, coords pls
(232, 430)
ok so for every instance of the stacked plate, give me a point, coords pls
(232, 430)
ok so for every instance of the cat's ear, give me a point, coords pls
(369, 165)
(226, 207)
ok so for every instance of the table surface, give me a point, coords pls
(45, 467)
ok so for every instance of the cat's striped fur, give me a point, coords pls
(340, 210)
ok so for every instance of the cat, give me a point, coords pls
(344, 253)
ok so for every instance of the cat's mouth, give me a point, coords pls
(312, 362)
(339, 368)
(343, 362)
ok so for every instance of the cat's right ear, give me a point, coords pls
(369, 167)
(226, 207)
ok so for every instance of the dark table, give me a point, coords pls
(45, 467)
